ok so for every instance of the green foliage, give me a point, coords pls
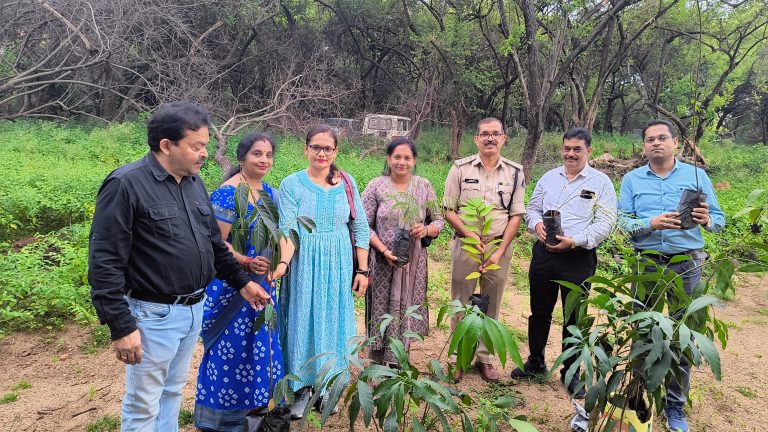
(9, 398)
(261, 227)
(108, 423)
(630, 346)
(477, 219)
(100, 338)
(186, 417)
(403, 398)
(476, 326)
(746, 392)
(45, 282)
(52, 173)
(22, 385)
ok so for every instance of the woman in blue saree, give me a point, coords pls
(240, 365)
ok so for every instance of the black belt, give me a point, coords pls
(184, 300)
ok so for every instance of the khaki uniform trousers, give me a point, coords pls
(491, 284)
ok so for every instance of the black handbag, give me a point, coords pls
(261, 420)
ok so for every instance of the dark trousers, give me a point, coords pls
(573, 266)
(690, 272)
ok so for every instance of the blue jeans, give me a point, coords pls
(153, 388)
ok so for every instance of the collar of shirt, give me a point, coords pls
(159, 171)
(649, 172)
(479, 161)
(583, 173)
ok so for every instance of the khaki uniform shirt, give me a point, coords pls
(504, 188)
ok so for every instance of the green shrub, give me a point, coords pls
(45, 283)
(108, 423)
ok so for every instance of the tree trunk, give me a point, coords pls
(456, 129)
(220, 157)
(532, 141)
(607, 125)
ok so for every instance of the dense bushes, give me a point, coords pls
(49, 176)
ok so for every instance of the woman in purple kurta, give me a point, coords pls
(393, 289)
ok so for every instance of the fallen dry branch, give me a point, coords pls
(614, 167)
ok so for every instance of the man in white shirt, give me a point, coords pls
(586, 201)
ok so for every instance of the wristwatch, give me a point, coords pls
(366, 272)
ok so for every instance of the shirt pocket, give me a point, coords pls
(470, 191)
(164, 220)
(204, 219)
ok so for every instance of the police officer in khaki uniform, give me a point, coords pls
(500, 182)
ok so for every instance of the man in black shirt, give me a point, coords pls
(154, 247)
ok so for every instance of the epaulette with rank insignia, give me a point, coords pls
(464, 161)
(509, 162)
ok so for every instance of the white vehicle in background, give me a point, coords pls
(382, 126)
(386, 126)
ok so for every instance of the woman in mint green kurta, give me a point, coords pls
(316, 295)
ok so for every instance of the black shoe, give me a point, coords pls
(529, 371)
(575, 388)
(300, 403)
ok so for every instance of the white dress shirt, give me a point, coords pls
(588, 221)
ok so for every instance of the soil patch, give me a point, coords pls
(70, 388)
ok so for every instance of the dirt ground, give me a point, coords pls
(70, 389)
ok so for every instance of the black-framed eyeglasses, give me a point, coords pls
(316, 149)
(486, 135)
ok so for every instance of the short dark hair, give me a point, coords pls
(579, 133)
(398, 141)
(172, 119)
(245, 145)
(656, 122)
(490, 120)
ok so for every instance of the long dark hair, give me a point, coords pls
(324, 128)
(398, 141)
(245, 145)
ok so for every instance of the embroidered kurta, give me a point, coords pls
(316, 299)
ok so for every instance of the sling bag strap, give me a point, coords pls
(352, 213)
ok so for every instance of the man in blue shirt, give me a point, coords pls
(586, 201)
(648, 203)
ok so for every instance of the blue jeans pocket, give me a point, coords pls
(145, 311)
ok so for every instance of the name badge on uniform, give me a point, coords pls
(471, 180)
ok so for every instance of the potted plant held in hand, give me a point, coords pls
(477, 219)
(261, 228)
(410, 215)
